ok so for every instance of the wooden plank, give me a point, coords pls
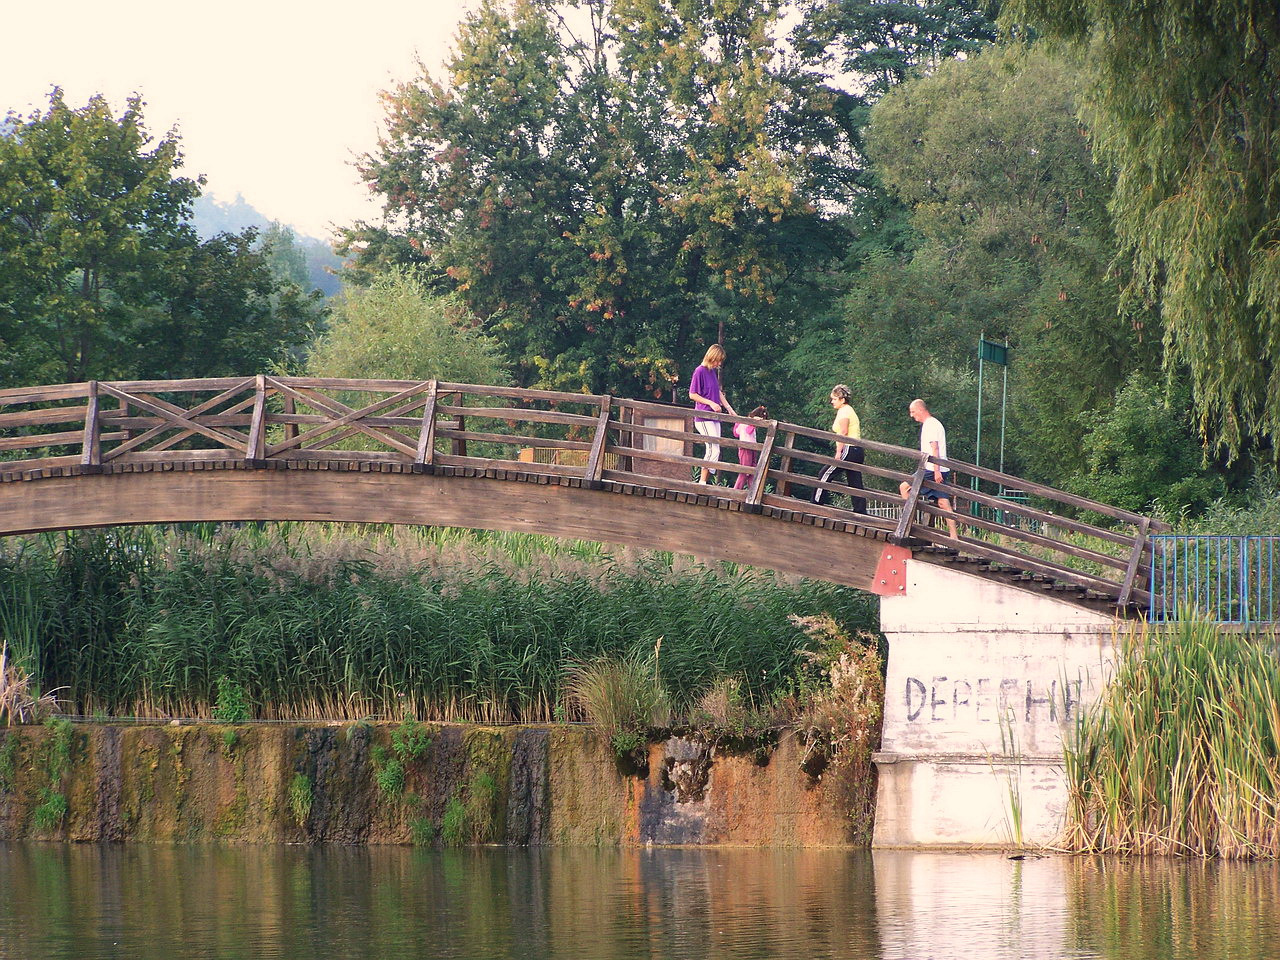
(595, 460)
(178, 386)
(784, 466)
(42, 416)
(345, 416)
(91, 447)
(690, 436)
(909, 506)
(822, 460)
(42, 440)
(290, 428)
(520, 393)
(256, 448)
(663, 457)
(1135, 560)
(520, 414)
(989, 551)
(179, 417)
(524, 468)
(756, 490)
(426, 435)
(1025, 536)
(45, 394)
(513, 440)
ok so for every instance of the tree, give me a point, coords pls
(89, 214)
(603, 201)
(1012, 239)
(1144, 450)
(1184, 105)
(287, 259)
(224, 312)
(101, 273)
(396, 329)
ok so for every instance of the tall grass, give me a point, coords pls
(344, 621)
(1180, 755)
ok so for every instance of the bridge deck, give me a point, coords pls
(1043, 539)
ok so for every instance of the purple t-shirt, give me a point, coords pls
(705, 383)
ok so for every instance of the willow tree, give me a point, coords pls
(1184, 104)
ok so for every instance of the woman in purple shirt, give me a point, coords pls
(706, 394)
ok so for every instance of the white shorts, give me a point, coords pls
(709, 428)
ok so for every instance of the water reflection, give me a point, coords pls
(284, 902)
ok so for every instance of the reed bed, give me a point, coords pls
(343, 622)
(1180, 755)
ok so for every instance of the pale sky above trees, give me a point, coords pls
(272, 99)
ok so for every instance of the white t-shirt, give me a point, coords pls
(930, 431)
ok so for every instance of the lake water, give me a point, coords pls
(163, 902)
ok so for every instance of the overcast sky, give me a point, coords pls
(273, 98)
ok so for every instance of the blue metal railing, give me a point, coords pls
(1229, 579)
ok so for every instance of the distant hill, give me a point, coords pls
(211, 217)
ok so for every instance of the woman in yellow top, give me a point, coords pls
(846, 424)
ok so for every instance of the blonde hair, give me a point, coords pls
(715, 354)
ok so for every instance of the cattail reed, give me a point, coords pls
(343, 622)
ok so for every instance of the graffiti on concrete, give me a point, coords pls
(988, 699)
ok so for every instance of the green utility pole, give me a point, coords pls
(991, 352)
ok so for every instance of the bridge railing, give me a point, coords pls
(1227, 579)
(587, 440)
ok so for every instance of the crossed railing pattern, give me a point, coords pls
(594, 441)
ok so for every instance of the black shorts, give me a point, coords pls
(933, 491)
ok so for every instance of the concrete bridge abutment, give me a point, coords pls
(985, 682)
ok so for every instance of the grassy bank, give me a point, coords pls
(313, 621)
(1181, 755)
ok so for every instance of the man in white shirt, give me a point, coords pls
(933, 444)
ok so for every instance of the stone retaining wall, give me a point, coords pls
(534, 785)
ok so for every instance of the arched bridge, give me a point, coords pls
(576, 465)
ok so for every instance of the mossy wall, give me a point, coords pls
(462, 784)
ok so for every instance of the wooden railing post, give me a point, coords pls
(91, 452)
(784, 487)
(290, 429)
(1135, 561)
(255, 451)
(595, 461)
(756, 491)
(909, 507)
(427, 435)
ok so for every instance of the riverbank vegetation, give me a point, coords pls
(337, 622)
(1181, 754)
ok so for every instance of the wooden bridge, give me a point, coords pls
(593, 467)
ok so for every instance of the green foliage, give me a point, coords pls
(453, 826)
(349, 622)
(233, 704)
(389, 773)
(601, 195)
(396, 329)
(624, 697)
(8, 762)
(301, 797)
(481, 805)
(410, 740)
(1143, 451)
(1184, 105)
(52, 809)
(102, 276)
(1179, 754)
(1012, 240)
(422, 831)
(230, 738)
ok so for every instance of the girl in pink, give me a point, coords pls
(747, 431)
